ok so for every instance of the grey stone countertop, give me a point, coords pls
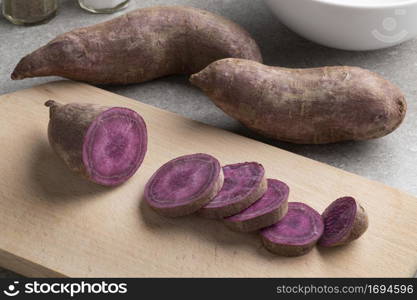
(391, 160)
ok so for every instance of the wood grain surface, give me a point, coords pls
(57, 224)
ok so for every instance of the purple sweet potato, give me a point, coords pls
(184, 185)
(139, 46)
(266, 211)
(305, 106)
(345, 220)
(105, 144)
(244, 183)
(296, 233)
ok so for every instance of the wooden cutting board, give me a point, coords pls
(56, 224)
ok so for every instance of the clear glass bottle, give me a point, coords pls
(103, 6)
(29, 12)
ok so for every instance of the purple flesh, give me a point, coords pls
(114, 146)
(275, 196)
(338, 219)
(301, 226)
(183, 181)
(241, 182)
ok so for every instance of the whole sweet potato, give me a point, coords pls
(306, 106)
(139, 46)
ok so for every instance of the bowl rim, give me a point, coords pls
(358, 5)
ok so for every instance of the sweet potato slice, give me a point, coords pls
(296, 233)
(266, 211)
(244, 183)
(184, 185)
(105, 144)
(345, 220)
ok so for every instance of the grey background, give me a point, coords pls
(391, 159)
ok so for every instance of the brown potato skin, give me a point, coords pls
(304, 106)
(287, 250)
(67, 127)
(259, 222)
(139, 46)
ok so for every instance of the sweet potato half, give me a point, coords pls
(104, 144)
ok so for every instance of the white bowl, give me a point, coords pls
(350, 24)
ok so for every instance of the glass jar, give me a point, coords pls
(103, 6)
(24, 12)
